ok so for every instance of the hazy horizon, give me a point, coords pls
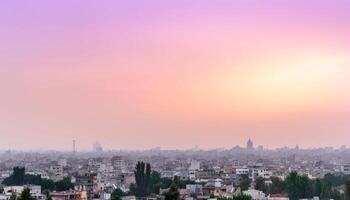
(194, 148)
(174, 74)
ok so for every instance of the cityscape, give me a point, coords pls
(260, 174)
(174, 99)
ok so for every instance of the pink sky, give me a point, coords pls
(174, 74)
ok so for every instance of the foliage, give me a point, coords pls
(172, 193)
(143, 179)
(260, 184)
(182, 183)
(337, 180)
(117, 194)
(64, 184)
(298, 187)
(347, 191)
(48, 196)
(148, 181)
(240, 196)
(244, 183)
(13, 196)
(25, 195)
(18, 177)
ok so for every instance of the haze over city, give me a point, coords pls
(174, 74)
(174, 100)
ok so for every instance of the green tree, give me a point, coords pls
(326, 189)
(347, 190)
(224, 198)
(117, 194)
(298, 186)
(155, 182)
(260, 184)
(16, 178)
(13, 196)
(143, 179)
(241, 196)
(244, 183)
(318, 188)
(172, 193)
(25, 195)
(64, 184)
(48, 196)
(277, 186)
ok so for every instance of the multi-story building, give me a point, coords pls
(69, 195)
(86, 182)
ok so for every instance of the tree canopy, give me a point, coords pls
(18, 177)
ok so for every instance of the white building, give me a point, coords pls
(35, 191)
(256, 194)
(345, 169)
(195, 166)
(242, 171)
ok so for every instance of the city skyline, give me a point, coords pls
(174, 74)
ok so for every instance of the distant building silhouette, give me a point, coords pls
(74, 150)
(97, 147)
(250, 145)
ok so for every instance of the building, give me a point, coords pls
(69, 195)
(35, 191)
(87, 182)
(56, 172)
(278, 197)
(345, 169)
(242, 171)
(256, 194)
(194, 166)
(250, 145)
(195, 189)
(260, 172)
(118, 164)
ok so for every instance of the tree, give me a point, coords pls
(16, 178)
(148, 178)
(13, 196)
(347, 191)
(318, 188)
(25, 195)
(260, 184)
(241, 196)
(155, 182)
(117, 194)
(277, 186)
(298, 186)
(64, 184)
(172, 193)
(244, 183)
(48, 196)
(143, 179)
(224, 198)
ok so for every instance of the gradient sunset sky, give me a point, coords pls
(138, 74)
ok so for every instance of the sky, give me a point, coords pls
(139, 74)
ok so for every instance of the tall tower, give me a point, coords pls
(250, 144)
(74, 146)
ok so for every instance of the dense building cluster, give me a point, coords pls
(260, 174)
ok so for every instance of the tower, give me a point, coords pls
(250, 144)
(74, 146)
